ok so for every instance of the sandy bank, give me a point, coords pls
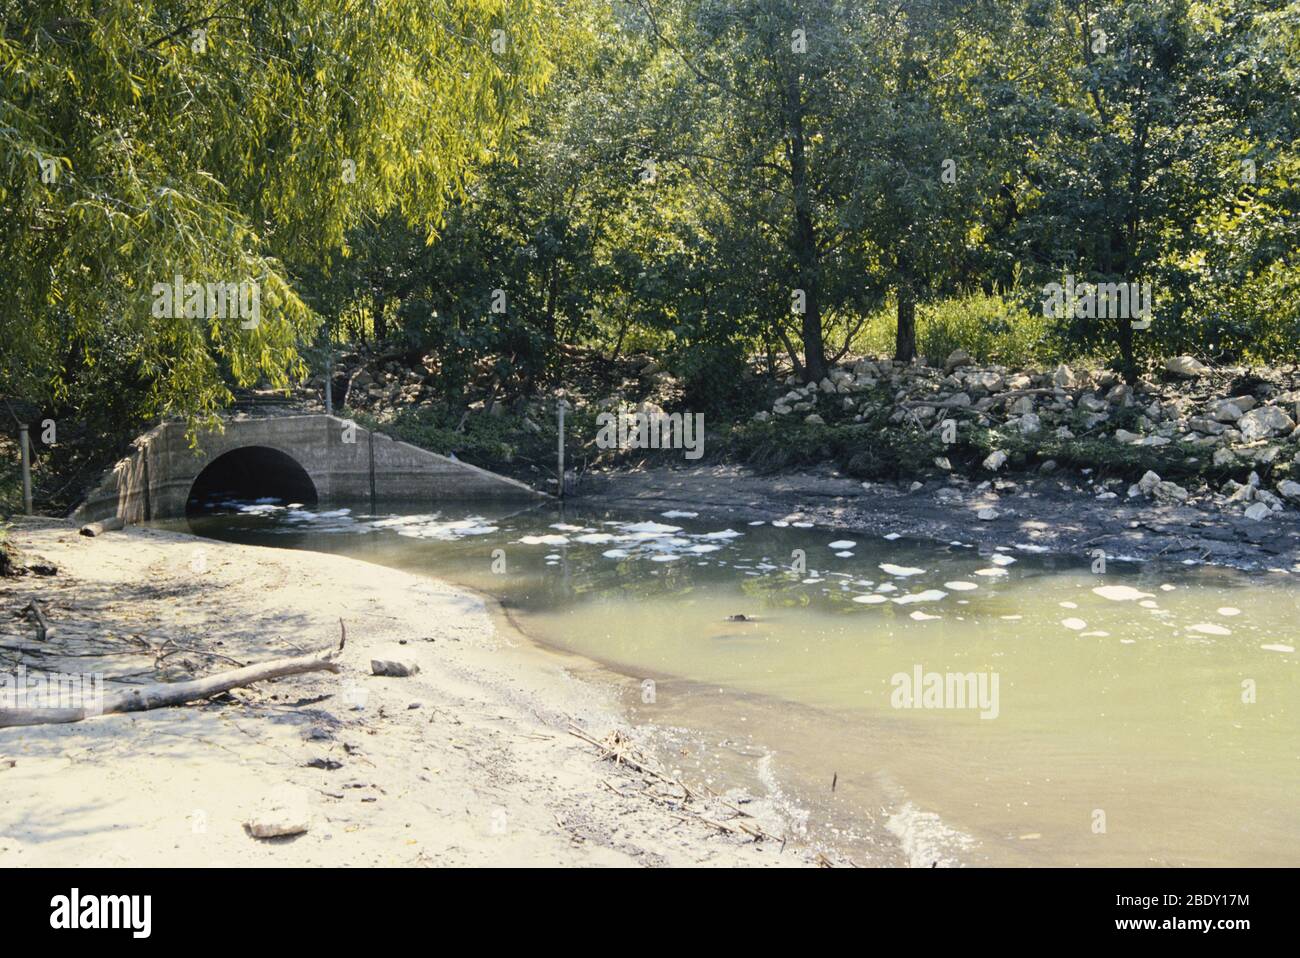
(468, 762)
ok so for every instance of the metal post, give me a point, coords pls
(559, 452)
(329, 367)
(329, 380)
(24, 443)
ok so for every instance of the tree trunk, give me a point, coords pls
(807, 256)
(905, 336)
(380, 322)
(1128, 361)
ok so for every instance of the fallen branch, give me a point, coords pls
(163, 694)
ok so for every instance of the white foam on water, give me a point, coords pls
(1209, 628)
(1277, 647)
(842, 544)
(927, 841)
(891, 536)
(657, 528)
(705, 547)
(1001, 559)
(795, 814)
(724, 534)
(929, 595)
(957, 585)
(566, 527)
(991, 572)
(679, 514)
(1229, 611)
(920, 616)
(615, 553)
(1074, 624)
(870, 599)
(1121, 593)
(901, 571)
(844, 555)
(665, 558)
(547, 540)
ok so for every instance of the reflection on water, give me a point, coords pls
(1140, 715)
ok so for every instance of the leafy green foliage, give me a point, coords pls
(146, 140)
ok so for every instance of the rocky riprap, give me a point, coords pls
(382, 386)
(1230, 420)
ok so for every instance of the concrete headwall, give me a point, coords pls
(155, 480)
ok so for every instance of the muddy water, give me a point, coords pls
(908, 703)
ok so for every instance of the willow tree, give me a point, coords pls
(144, 140)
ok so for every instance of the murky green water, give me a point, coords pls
(1154, 722)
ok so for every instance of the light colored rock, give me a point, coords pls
(280, 815)
(1030, 424)
(1064, 377)
(1120, 395)
(1263, 422)
(393, 668)
(1090, 402)
(1185, 366)
(1022, 406)
(1224, 457)
(1148, 483)
(813, 419)
(1208, 426)
(987, 515)
(995, 460)
(1258, 511)
(1289, 489)
(1226, 411)
(1127, 438)
(956, 359)
(1170, 492)
(943, 463)
(761, 416)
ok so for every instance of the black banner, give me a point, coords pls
(329, 907)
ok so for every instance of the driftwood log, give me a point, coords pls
(156, 695)
(93, 529)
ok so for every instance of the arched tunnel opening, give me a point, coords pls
(250, 474)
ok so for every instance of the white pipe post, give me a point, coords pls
(24, 443)
(559, 452)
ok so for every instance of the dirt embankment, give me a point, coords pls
(467, 762)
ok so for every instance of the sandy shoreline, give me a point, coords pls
(468, 762)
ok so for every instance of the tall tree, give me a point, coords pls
(142, 140)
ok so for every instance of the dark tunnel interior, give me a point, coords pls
(249, 474)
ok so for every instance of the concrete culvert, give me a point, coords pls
(248, 474)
